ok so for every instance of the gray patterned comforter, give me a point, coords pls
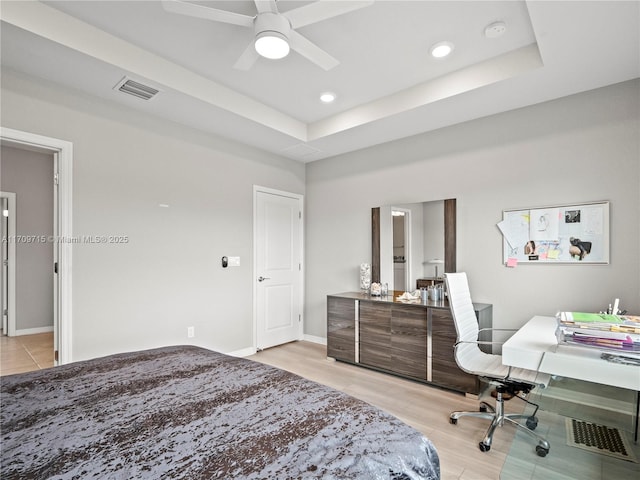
(187, 412)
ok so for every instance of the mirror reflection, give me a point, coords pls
(400, 253)
(416, 243)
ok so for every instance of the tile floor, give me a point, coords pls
(25, 353)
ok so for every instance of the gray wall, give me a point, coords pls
(574, 150)
(146, 292)
(29, 175)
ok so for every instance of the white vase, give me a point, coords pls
(365, 276)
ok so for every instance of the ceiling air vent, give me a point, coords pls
(302, 152)
(137, 89)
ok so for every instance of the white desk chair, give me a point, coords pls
(511, 381)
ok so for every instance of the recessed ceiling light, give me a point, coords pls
(327, 97)
(441, 49)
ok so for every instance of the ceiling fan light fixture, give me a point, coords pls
(441, 49)
(272, 45)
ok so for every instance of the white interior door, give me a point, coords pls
(278, 267)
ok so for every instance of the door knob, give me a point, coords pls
(261, 278)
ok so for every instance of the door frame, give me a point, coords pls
(63, 152)
(11, 266)
(271, 191)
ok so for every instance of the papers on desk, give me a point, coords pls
(620, 333)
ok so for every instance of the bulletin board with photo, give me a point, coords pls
(576, 234)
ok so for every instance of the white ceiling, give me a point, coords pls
(388, 86)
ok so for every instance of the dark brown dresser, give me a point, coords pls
(411, 340)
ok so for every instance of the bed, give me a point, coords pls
(187, 412)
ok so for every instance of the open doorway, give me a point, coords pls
(29, 265)
(58, 240)
(28, 244)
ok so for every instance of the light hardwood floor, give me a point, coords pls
(26, 353)
(423, 407)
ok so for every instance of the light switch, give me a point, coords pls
(234, 261)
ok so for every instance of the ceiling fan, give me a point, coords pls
(274, 32)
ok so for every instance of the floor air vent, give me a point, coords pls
(599, 439)
(137, 89)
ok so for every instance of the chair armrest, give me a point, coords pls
(478, 342)
(498, 329)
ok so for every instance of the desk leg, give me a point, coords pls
(635, 433)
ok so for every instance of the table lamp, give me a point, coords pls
(436, 262)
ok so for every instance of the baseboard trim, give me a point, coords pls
(33, 331)
(245, 352)
(315, 339)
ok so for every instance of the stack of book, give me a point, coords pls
(620, 333)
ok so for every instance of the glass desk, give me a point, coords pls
(564, 399)
(583, 387)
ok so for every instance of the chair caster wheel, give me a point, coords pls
(453, 421)
(541, 451)
(485, 448)
(532, 423)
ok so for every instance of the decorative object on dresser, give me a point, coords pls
(187, 412)
(411, 340)
(365, 276)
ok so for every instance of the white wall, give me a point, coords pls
(574, 150)
(29, 175)
(145, 293)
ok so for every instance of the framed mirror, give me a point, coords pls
(412, 242)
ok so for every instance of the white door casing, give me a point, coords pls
(9, 265)
(278, 284)
(63, 153)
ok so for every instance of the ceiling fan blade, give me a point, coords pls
(247, 59)
(321, 10)
(311, 51)
(198, 11)
(266, 6)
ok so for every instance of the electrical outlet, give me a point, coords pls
(191, 332)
